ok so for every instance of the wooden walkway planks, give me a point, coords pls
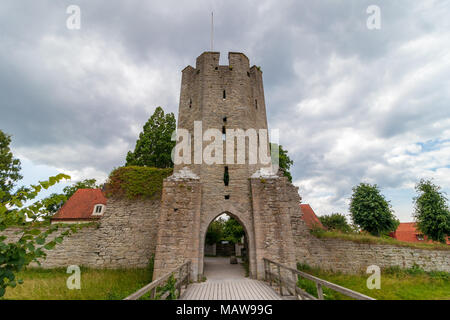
(245, 289)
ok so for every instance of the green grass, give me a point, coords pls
(96, 284)
(367, 238)
(396, 284)
(246, 266)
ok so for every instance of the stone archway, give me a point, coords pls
(249, 235)
(270, 222)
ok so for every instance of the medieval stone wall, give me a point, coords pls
(179, 227)
(351, 257)
(124, 238)
(272, 203)
(77, 249)
(127, 233)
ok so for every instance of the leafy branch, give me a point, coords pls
(15, 255)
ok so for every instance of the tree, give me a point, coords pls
(221, 229)
(85, 184)
(154, 146)
(233, 230)
(371, 211)
(335, 221)
(431, 211)
(17, 254)
(284, 161)
(215, 231)
(68, 192)
(9, 167)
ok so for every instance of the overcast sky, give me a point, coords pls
(352, 104)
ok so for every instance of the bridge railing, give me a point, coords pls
(286, 278)
(162, 287)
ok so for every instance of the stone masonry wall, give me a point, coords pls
(351, 257)
(272, 203)
(127, 233)
(124, 238)
(74, 250)
(179, 227)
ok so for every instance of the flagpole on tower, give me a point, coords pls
(212, 31)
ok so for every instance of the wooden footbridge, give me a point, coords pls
(280, 283)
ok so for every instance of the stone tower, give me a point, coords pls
(224, 98)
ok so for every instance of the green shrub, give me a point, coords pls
(415, 270)
(170, 287)
(303, 267)
(310, 287)
(136, 182)
(335, 221)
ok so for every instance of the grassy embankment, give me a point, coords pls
(96, 284)
(396, 284)
(367, 238)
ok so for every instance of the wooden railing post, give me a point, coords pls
(270, 273)
(319, 291)
(153, 293)
(180, 280)
(295, 278)
(265, 270)
(188, 274)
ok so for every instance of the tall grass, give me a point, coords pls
(396, 284)
(96, 284)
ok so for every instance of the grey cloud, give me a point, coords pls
(62, 108)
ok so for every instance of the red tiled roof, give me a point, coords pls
(81, 205)
(406, 231)
(310, 217)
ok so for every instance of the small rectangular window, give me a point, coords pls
(226, 177)
(98, 209)
(227, 197)
(224, 95)
(224, 134)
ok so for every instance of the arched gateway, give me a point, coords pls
(228, 99)
(249, 235)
